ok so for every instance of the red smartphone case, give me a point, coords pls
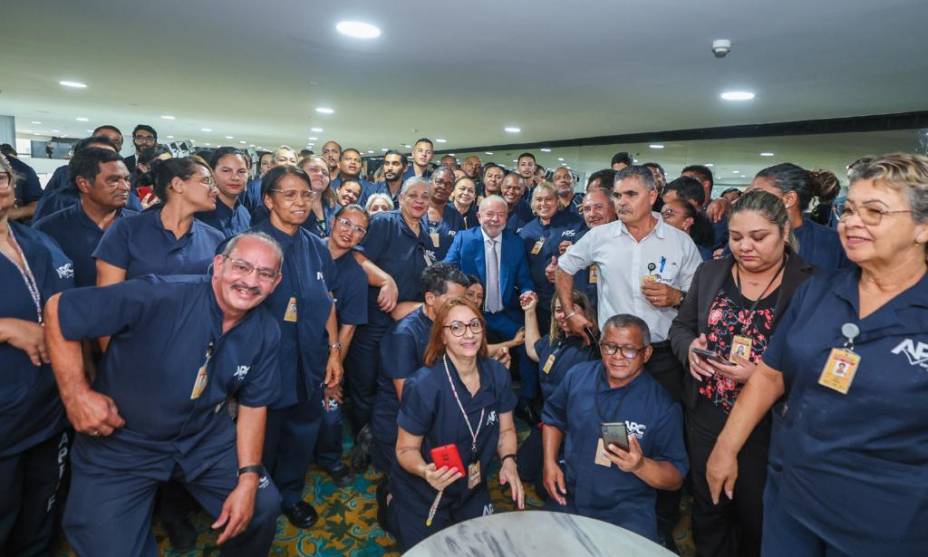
(447, 455)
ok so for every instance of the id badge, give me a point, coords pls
(473, 475)
(436, 241)
(290, 315)
(839, 370)
(549, 364)
(536, 249)
(650, 278)
(601, 458)
(200, 384)
(594, 274)
(741, 347)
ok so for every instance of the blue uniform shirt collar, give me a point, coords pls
(846, 287)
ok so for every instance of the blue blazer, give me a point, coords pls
(468, 254)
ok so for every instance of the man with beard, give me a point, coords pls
(180, 348)
(471, 168)
(102, 179)
(394, 168)
(332, 153)
(143, 137)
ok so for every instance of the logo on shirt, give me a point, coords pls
(452, 233)
(241, 372)
(491, 419)
(636, 429)
(319, 275)
(917, 354)
(488, 509)
(263, 482)
(568, 233)
(65, 271)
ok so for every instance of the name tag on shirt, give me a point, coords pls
(600, 457)
(436, 241)
(536, 249)
(549, 364)
(290, 315)
(740, 347)
(200, 384)
(839, 370)
(594, 274)
(473, 475)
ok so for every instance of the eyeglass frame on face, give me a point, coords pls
(345, 221)
(624, 350)
(844, 213)
(474, 326)
(144, 138)
(263, 273)
(290, 196)
(6, 177)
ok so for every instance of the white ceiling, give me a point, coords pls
(460, 71)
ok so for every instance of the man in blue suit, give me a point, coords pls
(497, 256)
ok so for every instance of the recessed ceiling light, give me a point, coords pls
(36, 133)
(737, 95)
(313, 138)
(561, 159)
(89, 131)
(230, 137)
(358, 29)
(656, 146)
(243, 142)
(736, 172)
(315, 130)
(384, 149)
(82, 119)
(514, 160)
(56, 131)
(39, 123)
(73, 84)
(766, 154)
(207, 144)
(440, 140)
(170, 137)
(545, 150)
(207, 130)
(325, 110)
(709, 164)
(634, 160)
(512, 129)
(167, 117)
(488, 152)
(370, 150)
(251, 145)
(452, 154)
(408, 146)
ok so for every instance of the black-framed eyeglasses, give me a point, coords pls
(291, 196)
(628, 352)
(144, 138)
(342, 221)
(870, 216)
(244, 268)
(457, 328)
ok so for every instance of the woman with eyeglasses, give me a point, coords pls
(817, 244)
(683, 216)
(310, 352)
(460, 403)
(33, 428)
(732, 308)
(165, 240)
(849, 445)
(555, 353)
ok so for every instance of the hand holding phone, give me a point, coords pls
(615, 433)
(449, 457)
(710, 355)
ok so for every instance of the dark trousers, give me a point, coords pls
(289, 443)
(29, 487)
(329, 442)
(383, 454)
(733, 527)
(667, 370)
(362, 365)
(109, 513)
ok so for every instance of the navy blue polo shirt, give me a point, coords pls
(821, 246)
(366, 186)
(444, 230)
(228, 220)
(303, 343)
(402, 351)
(567, 352)
(251, 198)
(322, 227)
(578, 407)
(78, 237)
(584, 280)
(469, 217)
(520, 215)
(380, 187)
(429, 410)
(852, 468)
(393, 246)
(541, 244)
(61, 193)
(350, 291)
(411, 171)
(29, 405)
(141, 245)
(28, 188)
(164, 330)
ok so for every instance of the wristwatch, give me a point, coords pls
(253, 469)
(337, 346)
(682, 297)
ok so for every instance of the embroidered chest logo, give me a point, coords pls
(65, 271)
(568, 234)
(241, 372)
(917, 354)
(636, 429)
(491, 419)
(319, 275)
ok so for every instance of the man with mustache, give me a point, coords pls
(180, 348)
(102, 179)
(645, 267)
(394, 168)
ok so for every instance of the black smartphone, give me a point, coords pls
(710, 355)
(591, 336)
(615, 433)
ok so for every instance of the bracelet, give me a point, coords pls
(512, 456)
(253, 469)
(336, 346)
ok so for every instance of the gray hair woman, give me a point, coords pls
(850, 442)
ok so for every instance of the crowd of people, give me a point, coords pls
(196, 331)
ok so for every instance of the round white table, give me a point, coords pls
(536, 534)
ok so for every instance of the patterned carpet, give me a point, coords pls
(348, 522)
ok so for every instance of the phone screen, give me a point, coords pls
(615, 434)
